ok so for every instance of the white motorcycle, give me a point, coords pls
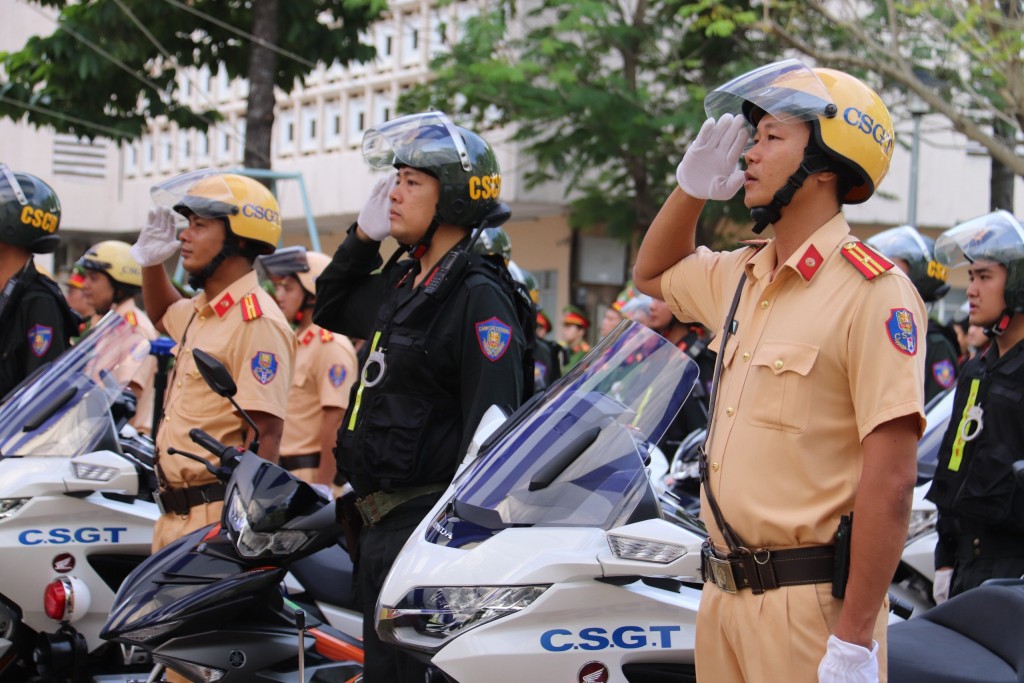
(551, 557)
(76, 513)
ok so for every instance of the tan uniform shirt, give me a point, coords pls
(325, 368)
(244, 329)
(143, 377)
(820, 356)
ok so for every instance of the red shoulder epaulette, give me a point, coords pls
(866, 260)
(130, 318)
(326, 336)
(250, 307)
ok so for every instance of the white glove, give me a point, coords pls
(375, 216)
(157, 241)
(940, 585)
(709, 167)
(848, 663)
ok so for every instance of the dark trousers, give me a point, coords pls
(378, 547)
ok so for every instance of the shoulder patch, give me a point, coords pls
(264, 366)
(944, 373)
(494, 337)
(39, 339)
(250, 307)
(336, 375)
(902, 330)
(326, 336)
(866, 260)
(131, 318)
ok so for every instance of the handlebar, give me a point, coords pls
(226, 454)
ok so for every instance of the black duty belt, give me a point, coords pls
(181, 501)
(766, 569)
(375, 506)
(300, 462)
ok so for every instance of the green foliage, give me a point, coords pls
(101, 70)
(604, 96)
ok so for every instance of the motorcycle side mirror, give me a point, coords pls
(220, 381)
(215, 374)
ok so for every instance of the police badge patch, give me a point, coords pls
(944, 373)
(494, 337)
(336, 374)
(902, 330)
(39, 339)
(264, 366)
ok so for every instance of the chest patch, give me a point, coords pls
(494, 337)
(336, 374)
(264, 367)
(902, 331)
(944, 373)
(39, 339)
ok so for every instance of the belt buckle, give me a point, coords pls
(719, 571)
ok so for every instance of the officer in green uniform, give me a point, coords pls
(446, 340)
(36, 322)
(912, 252)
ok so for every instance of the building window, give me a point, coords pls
(131, 158)
(332, 124)
(310, 127)
(223, 143)
(286, 132)
(240, 147)
(382, 107)
(203, 147)
(148, 154)
(204, 80)
(356, 120)
(184, 148)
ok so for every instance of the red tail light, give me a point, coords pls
(57, 597)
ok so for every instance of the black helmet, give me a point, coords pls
(996, 236)
(906, 243)
(460, 159)
(29, 212)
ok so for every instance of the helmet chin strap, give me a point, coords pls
(420, 247)
(229, 248)
(1000, 325)
(814, 162)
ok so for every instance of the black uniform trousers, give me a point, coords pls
(379, 545)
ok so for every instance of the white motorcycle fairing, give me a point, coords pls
(551, 557)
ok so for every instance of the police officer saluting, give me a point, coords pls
(980, 501)
(817, 402)
(36, 323)
(912, 252)
(325, 368)
(232, 219)
(112, 280)
(444, 337)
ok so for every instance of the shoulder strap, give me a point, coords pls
(731, 537)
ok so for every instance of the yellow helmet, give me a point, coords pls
(317, 263)
(115, 259)
(849, 122)
(306, 266)
(249, 208)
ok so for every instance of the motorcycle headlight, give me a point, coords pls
(251, 543)
(426, 618)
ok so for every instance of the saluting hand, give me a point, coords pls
(375, 216)
(709, 167)
(157, 241)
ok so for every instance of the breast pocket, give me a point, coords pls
(781, 385)
(197, 398)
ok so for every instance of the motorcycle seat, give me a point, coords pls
(327, 576)
(974, 636)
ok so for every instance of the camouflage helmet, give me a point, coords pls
(460, 159)
(29, 212)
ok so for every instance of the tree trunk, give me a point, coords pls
(259, 119)
(1001, 182)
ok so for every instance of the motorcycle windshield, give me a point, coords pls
(577, 458)
(65, 409)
